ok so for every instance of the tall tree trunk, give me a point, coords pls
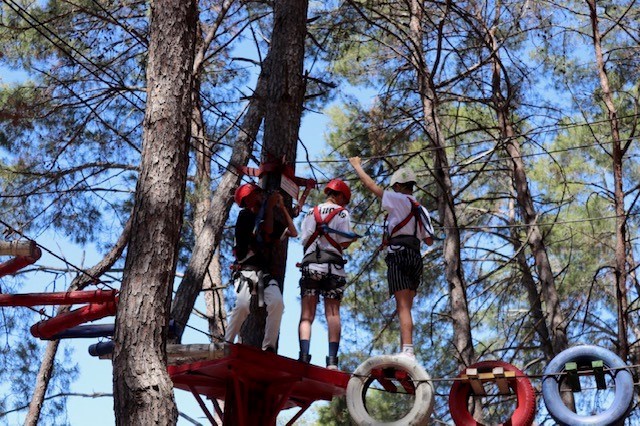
(285, 98)
(143, 391)
(208, 239)
(212, 281)
(463, 343)
(617, 153)
(48, 358)
(553, 311)
(634, 354)
(214, 298)
(203, 147)
(537, 313)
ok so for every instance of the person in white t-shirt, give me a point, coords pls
(408, 224)
(326, 232)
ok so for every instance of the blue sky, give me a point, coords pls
(95, 375)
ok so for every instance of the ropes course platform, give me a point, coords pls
(256, 385)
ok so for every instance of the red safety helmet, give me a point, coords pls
(244, 191)
(338, 186)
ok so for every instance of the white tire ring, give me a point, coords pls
(583, 355)
(424, 398)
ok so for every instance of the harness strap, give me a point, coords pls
(414, 214)
(322, 228)
(323, 256)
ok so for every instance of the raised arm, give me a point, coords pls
(291, 228)
(276, 200)
(365, 178)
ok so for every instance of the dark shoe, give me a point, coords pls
(306, 358)
(332, 362)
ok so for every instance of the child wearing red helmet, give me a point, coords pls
(254, 238)
(326, 231)
(408, 224)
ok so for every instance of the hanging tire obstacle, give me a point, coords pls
(507, 377)
(584, 356)
(413, 378)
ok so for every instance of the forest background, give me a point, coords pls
(519, 117)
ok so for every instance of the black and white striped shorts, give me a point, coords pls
(404, 270)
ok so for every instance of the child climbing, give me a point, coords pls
(408, 224)
(256, 233)
(326, 231)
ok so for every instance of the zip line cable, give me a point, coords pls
(221, 339)
(23, 13)
(95, 280)
(116, 21)
(540, 130)
(223, 115)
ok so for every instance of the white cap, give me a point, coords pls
(403, 175)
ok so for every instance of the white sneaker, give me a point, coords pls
(407, 355)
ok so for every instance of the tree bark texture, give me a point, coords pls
(617, 154)
(284, 102)
(462, 341)
(143, 390)
(208, 239)
(529, 283)
(554, 316)
(214, 298)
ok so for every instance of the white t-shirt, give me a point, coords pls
(340, 222)
(399, 206)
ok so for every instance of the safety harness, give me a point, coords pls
(323, 230)
(256, 288)
(263, 279)
(410, 241)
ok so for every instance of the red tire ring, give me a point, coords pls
(460, 392)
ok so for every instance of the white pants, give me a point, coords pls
(272, 300)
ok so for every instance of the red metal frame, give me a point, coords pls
(258, 384)
(102, 303)
(58, 298)
(278, 167)
(48, 328)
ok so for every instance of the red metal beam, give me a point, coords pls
(48, 328)
(207, 413)
(59, 298)
(247, 373)
(302, 410)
